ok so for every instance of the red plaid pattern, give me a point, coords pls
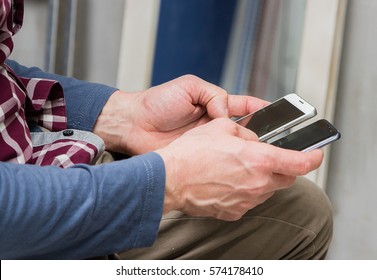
(40, 101)
(64, 153)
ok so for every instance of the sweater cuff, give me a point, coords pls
(153, 201)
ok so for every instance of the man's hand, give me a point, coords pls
(136, 123)
(214, 166)
(221, 170)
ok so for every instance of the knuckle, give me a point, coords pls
(260, 188)
(232, 217)
(227, 125)
(263, 163)
(192, 79)
(263, 186)
(222, 91)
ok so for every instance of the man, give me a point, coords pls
(188, 161)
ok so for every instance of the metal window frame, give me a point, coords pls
(138, 44)
(59, 57)
(319, 63)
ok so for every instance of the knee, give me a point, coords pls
(317, 213)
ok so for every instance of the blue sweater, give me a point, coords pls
(83, 211)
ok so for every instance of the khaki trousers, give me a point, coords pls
(295, 223)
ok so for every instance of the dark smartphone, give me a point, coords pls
(313, 136)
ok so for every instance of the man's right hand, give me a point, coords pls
(221, 170)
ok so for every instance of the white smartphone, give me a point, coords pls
(313, 136)
(279, 116)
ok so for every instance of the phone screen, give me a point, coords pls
(273, 116)
(308, 136)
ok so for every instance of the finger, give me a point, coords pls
(212, 97)
(246, 134)
(217, 106)
(225, 124)
(240, 105)
(294, 163)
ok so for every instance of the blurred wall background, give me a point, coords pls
(352, 185)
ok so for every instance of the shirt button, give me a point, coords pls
(68, 132)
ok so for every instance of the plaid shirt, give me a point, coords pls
(24, 100)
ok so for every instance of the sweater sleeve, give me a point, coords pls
(80, 212)
(84, 100)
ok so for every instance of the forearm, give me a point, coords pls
(80, 212)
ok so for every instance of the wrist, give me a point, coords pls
(113, 129)
(172, 198)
